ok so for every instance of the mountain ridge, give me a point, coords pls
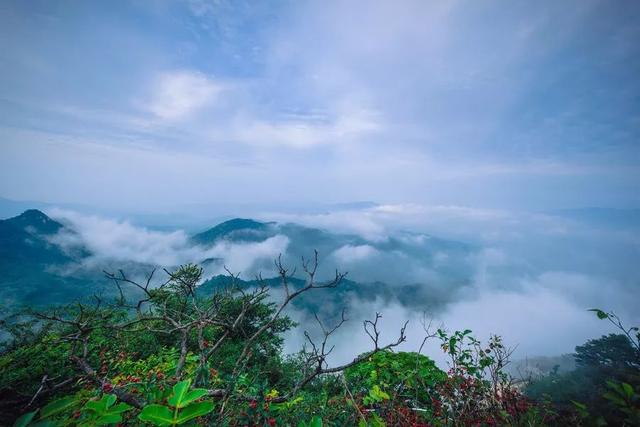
(35, 267)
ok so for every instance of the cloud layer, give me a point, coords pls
(240, 102)
(529, 277)
(110, 242)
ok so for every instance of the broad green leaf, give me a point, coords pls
(120, 408)
(179, 392)
(57, 406)
(194, 411)
(94, 406)
(614, 386)
(101, 406)
(108, 419)
(109, 399)
(193, 395)
(615, 399)
(316, 422)
(157, 415)
(24, 420)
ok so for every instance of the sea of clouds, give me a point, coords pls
(531, 276)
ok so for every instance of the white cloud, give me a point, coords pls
(343, 221)
(378, 222)
(512, 291)
(538, 320)
(178, 94)
(351, 253)
(113, 241)
(243, 257)
(120, 240)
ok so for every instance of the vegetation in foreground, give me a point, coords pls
(167, 354)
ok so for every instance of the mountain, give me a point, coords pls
(238, 229)
(401, 258)
(24, 239)
(31, 264)
(11, 208)
(330, 303)
(35, 222)
(413, 269)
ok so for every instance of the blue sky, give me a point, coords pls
(147, 105)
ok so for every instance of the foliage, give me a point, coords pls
(183, 406)
(104, 411)
(410, 376)
(626, 399)
(181, 355)
(603, 388)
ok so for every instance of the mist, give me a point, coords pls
(529, 277)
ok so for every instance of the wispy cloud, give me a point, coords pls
(349, 253)
(455, 110)
(110, 242)
(178, 94)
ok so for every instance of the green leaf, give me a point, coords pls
(628, 389)
(157, 415)
(376, 421)
(120, 408)
(615, 399)
(108, 419)
(194, 411)
(179, 393)
(579, 405)
(316, 422)
(377, 394)
(57, 406)
(24, 420)
(45, 423)
(101, 406)
(601, 314)
(193, 395)
(295, 401)
(109, 400)
(452, 342)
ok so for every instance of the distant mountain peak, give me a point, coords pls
(242, 223)
(34, 214)
(238, 228)
(34, 220)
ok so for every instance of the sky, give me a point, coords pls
(152, 106)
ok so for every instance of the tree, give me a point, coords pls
(607, 368)
(220, 340)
